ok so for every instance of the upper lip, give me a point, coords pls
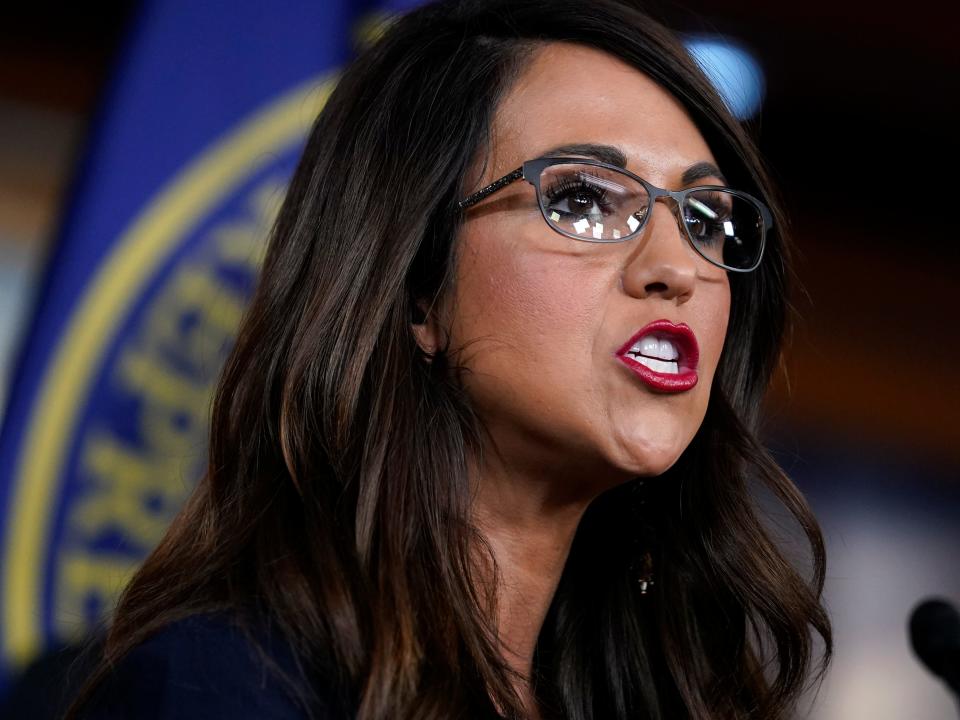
(679, 334)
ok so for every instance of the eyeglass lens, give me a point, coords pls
(601, 204)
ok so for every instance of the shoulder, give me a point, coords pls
(201, 666)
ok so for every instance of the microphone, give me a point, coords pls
(935, 636)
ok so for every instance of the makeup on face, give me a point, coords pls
(560, 370)
(663, 355)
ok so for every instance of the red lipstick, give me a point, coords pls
(688, 353)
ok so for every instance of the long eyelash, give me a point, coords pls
(721, 202)
(565, 185)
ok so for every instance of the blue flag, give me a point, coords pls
(105, 431)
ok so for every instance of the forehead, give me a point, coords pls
(571, 93)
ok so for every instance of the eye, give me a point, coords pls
(577, 196)
(707, 217)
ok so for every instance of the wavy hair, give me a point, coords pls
(336, 501)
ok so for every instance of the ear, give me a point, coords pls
(426, 328)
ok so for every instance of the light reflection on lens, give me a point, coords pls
(602, 204)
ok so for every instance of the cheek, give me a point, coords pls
(716, 323)
(550, 301)
(524, 315)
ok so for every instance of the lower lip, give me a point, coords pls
(665, 382)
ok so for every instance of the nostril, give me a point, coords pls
(655, 287)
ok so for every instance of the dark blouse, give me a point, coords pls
(203, 667)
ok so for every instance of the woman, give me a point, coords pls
(486, 444)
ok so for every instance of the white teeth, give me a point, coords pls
(667, 351)
(654, 348)
(658, 365)
(649, 346)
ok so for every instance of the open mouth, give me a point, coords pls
(663, 354)
(657, 352)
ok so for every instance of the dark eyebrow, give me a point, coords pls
(615, 156)
(702, 170)
(604, 153)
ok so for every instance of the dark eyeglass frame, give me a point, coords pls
(531, 170)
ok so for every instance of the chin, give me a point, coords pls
(643, 458)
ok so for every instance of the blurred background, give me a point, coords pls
(113, 319)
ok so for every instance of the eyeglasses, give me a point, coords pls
(595, 201)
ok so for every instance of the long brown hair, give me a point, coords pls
(335, 503)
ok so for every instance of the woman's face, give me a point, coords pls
(538, 317)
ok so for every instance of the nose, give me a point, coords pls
(662, 261)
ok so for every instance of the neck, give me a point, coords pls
(529, 523)
(530, 553)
